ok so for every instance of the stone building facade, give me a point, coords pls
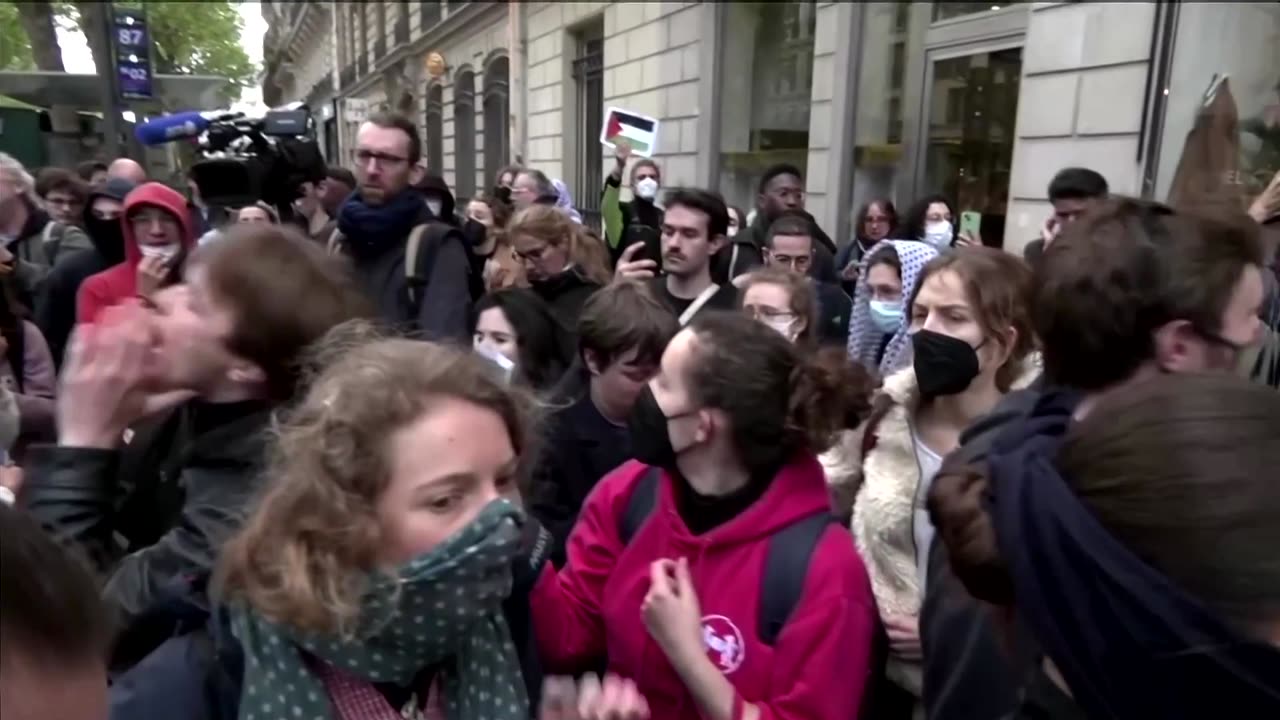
(980, 101)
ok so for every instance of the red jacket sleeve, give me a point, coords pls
(822, 663)
(566, 605)
(89, 301)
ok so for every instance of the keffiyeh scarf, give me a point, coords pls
(864, 336)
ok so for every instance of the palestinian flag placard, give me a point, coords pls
(640, 131)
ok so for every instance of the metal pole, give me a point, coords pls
(106, 66)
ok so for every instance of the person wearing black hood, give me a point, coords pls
(55, 311)
(1129, 292)
(414, 268)
(443, 206)
(781, 190)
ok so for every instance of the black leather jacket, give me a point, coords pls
(155, 512)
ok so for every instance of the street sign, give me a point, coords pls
(132, 43)
(357, 110)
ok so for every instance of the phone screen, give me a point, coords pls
(970, 222)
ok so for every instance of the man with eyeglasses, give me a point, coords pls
(789, 246)
(55, 311)
(157, 234)
(781, 190)
(412, 265)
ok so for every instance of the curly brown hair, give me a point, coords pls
(304, 556)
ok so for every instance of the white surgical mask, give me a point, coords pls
(938, 234)
(647, 188)
(164, 252)
(886, 315)
(491, 354)
(435, 205)
(783, 326)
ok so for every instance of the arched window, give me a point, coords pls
(464, 134)
(435, 129)
(497, 119)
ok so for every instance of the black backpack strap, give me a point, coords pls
(785, 567)
(644, 498)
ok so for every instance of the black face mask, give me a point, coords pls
(107, 237)
(944, 365)
(650, 436)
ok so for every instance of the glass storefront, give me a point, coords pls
(767, 56)
(1242, 42)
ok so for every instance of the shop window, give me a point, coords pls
(435, 129)
(1240, 41)
(766, 94)
(497, 118)
(464, 134)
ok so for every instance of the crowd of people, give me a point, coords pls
(390, 453)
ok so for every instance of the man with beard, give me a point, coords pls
(693, 229)
(55, 312)
(150, 494)
(640, 220)
(413, 268)
(781, 190)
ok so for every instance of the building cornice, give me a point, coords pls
(473, 12)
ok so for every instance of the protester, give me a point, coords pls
(55, 311)
(532, 187)
(1132, 546)
(875, 221)
(93, 172)
(564, 201)
(640, 220)
(789, 245)
(878, 323)
(621, 336)
(931, 220)
(258, 213)
(427, 294)
(737, 221)
(781, 190)
(500, 268)
(1129, 292)
(309, 211)
(27, 372)
(127, 169)
(970, 323)
(222, 350)
(1072, 192)
(376, 565)
(693, 229)
(55, 630)
(724, 438)
(337, 186)
(157, 238)
(63, 195)
(506, 177)
(30, 241)
(564, 265)
(784, 301)
(519, 326)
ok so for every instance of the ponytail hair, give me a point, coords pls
(780, 400)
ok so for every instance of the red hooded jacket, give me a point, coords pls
(816, 670)
(117, 284)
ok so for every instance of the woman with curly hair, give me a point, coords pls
(376, 565)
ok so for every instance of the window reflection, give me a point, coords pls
(768, 54)
(973, 109)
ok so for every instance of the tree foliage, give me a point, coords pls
(188, 38)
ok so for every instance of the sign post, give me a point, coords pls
(132, 42)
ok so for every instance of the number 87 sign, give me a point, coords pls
(133, 55)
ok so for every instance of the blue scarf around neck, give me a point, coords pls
(370, 230)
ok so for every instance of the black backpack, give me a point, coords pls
(420, 253)
(786, 563)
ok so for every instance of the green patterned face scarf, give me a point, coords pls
(443, 609)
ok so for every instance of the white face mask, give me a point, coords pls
(782, 326)
(164, 252)
(647, 188)
(435, 205)
(938, 234)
